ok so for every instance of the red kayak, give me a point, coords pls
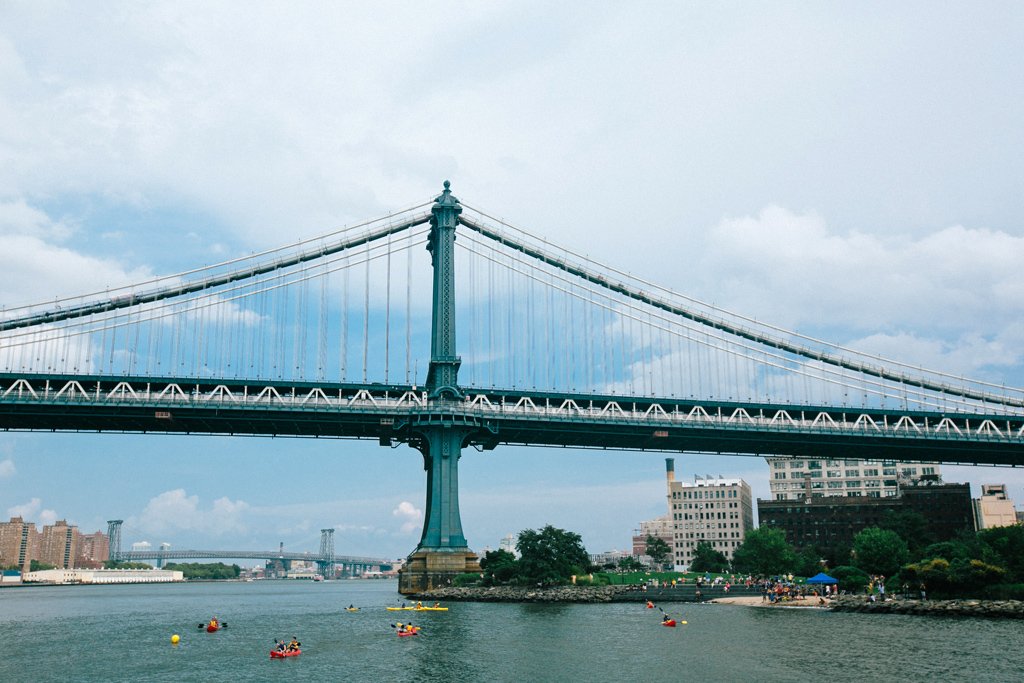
(210, 628)
(670, 622)
(278, 654)
(402, 634)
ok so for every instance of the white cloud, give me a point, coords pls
(33, 511)
(7, 468)
(411, 515)
(27, 511)
(175, 510)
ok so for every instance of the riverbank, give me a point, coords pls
(996, 609)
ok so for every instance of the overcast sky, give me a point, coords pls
(849, 170)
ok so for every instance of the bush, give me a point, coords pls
(461, 580)
(1004, 591)
(850, 578)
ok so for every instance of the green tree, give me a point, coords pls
(37, 566)
(658, 550)
(215, 570)
(110, 564)
(630, 564)
(707, 559)
(911, 526)
(880, 551)
(1005, 546)
(550, 556)
(499, 566)
(764, 551)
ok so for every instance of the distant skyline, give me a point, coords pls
(852, 172)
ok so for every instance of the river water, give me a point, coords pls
(123, 633)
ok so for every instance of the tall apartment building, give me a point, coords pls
(994, 508)
(718, 511)
(19, 542)
(93, 550)
(59, 545)
(800, 478)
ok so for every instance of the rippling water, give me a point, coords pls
(122, 633)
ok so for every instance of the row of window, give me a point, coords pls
(706, 494)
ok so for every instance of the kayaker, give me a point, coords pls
(665, 619)
(280, 646)
(437, 604)
(351, 606)
(419, 605)
(294, 645)
(214, 623)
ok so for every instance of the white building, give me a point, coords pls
(717, 511)
(103, 576)
(994, 508)
(799, 478)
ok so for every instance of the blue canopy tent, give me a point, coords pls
(821, 578)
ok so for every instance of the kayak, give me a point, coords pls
(399, 609)
(402, 634)
(351, 609)
(278, 654)
(416, 609)
(670, 622)
(210, 628)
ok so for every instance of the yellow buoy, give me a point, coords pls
(174, 639)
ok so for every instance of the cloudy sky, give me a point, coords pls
(852, 171)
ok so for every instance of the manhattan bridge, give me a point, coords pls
(329, 337)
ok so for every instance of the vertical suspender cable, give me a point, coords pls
(366, 316)
(387, 313)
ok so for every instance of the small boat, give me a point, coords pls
(403, 634)
(210, 628)
(279, 654)
(670, 622)
(351, 609)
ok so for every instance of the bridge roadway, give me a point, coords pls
(165, 555)
(395, 413)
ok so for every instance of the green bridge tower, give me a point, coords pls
(440, 433)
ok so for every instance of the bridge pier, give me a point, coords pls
(443, 552)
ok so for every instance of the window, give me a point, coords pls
(853, 473)
(780, 475)
(835, 484)
(872, 483)
(872, 472)
(834, 473)
(796, 464)
(853, 484)
(927, 470)
(814, 464)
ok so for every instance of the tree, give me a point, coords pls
(1005, 546)
(911, 526)
(879, 551)
(707, 559)
(37, 566)
(630, 564)
(658, 550)
(764, 551)
(850, 578)
(499, 566)
(550, 556)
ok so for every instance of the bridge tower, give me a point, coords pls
(114, 538)
(325, 564)
(442, 552)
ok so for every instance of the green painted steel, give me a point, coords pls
(440, 441)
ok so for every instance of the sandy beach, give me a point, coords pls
(757, 601)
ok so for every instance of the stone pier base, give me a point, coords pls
(428, 569)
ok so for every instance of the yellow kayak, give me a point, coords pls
(417, 609)
(351, 609)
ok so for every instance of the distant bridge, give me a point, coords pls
(357, 564)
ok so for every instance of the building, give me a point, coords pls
(661, 527)
(105, 576)
(994, 508)
(832, 522)
(19, 543)
(93, 550)
(717, 511)
(59, 544)
(792, 478)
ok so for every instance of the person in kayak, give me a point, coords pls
(437, 604)
(419, 605)
(214, 624)
(665, 619)
(294, 645)
(281, 646)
